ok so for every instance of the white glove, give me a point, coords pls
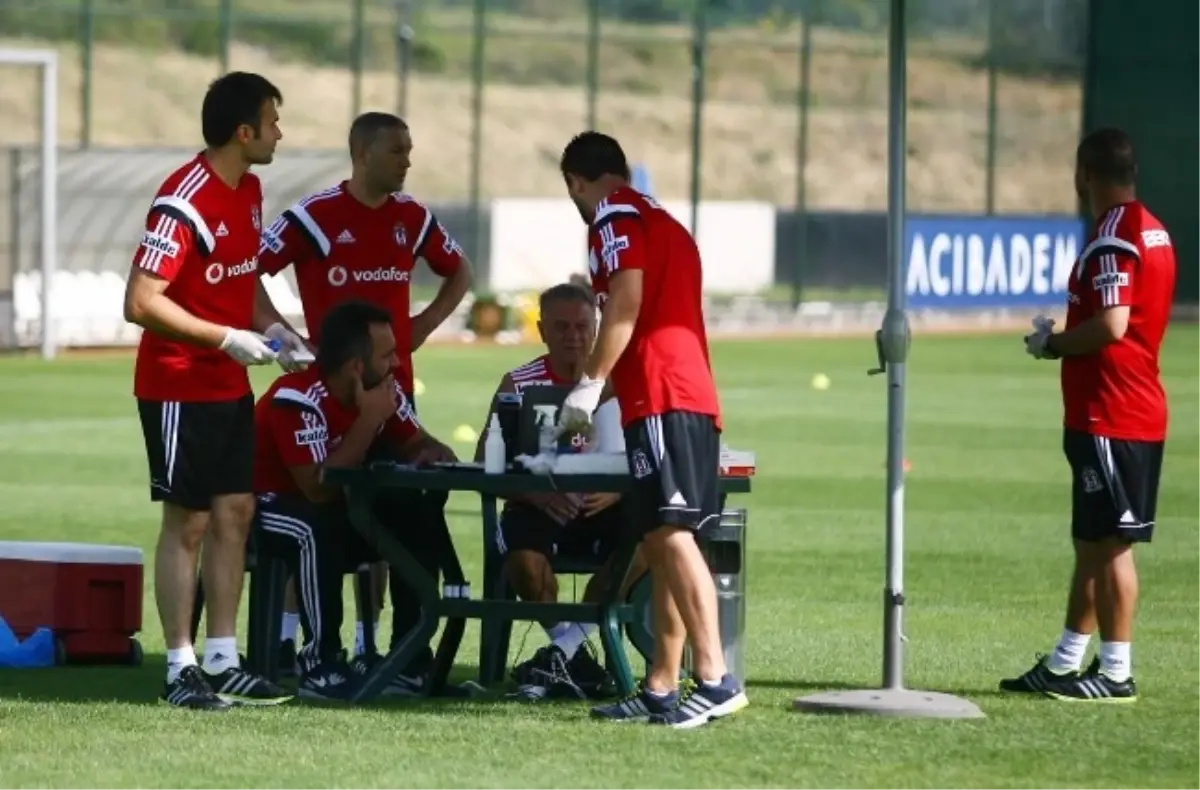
(248, 348)
(575, 416)
(293, 355)
(1035, 344)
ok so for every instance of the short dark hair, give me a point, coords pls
(565, 292)
(233, 100)
(1107, 155)
(591, 155)
(367, 127)
(346, 334)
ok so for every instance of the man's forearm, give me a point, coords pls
(265, 312)
(1088, 338)
(355, 445)
(448, 297)
(611, 341)
(161, 315)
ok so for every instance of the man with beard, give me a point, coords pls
(360, 239)
(329, 416)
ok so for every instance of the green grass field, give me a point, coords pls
(987, 550)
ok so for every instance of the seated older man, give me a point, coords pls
(535, 527)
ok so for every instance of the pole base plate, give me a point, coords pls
(901, 703)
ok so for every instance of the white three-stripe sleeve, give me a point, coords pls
(1112, 275)
(174, 228)
(299, 428)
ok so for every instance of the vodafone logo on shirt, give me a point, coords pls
(216, 272)
(338, 276)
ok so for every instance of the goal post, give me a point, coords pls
(46, 62)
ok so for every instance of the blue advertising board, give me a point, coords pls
(969, 262)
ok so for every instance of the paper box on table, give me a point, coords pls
(89, 595)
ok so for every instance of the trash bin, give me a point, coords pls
(724, 549)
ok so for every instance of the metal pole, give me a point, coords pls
(699, 54)
(593, 61)
(802, 104)
(358, 56)
(477, 65)
(49, 202)
(86, 57)
(404, 38)
(991, 109)
(894, 340)
(224, 32)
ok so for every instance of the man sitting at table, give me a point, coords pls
(534, 527)
(329, 416)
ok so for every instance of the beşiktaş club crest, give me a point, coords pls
(256, 218)
(400, 235)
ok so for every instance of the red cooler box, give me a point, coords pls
(90, 596)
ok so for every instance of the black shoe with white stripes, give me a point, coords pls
(330, 680)
(239, 687)
(1035, 679)
(1092, 686)
(547, 675)
(589, 675)
(190, 690)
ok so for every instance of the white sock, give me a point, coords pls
(220, 654)
(291, 624)
(1115, 661)
(1069, 652)
(572, 637)
(178, 659)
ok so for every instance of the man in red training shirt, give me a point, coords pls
(646, 273)
(194, 289)
(329, 416)
(1115, 419)
(536, 527)
(361, 239)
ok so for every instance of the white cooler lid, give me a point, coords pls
(70, 552)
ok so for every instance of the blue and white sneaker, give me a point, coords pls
(704, 703)
(639, 706)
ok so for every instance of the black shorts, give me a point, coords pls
(1114, 486)
(526, 528)
(198, 450)
(675, 459)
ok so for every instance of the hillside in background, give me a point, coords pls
(534, 99)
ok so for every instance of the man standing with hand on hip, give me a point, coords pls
(194, 289)
(1115, 419)
(646, 272)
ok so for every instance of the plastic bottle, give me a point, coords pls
(493, 448)
(547, 437)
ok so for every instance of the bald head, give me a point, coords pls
(366, 128)
(380, 147)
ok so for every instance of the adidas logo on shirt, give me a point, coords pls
(345, 237)
(222, 230)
